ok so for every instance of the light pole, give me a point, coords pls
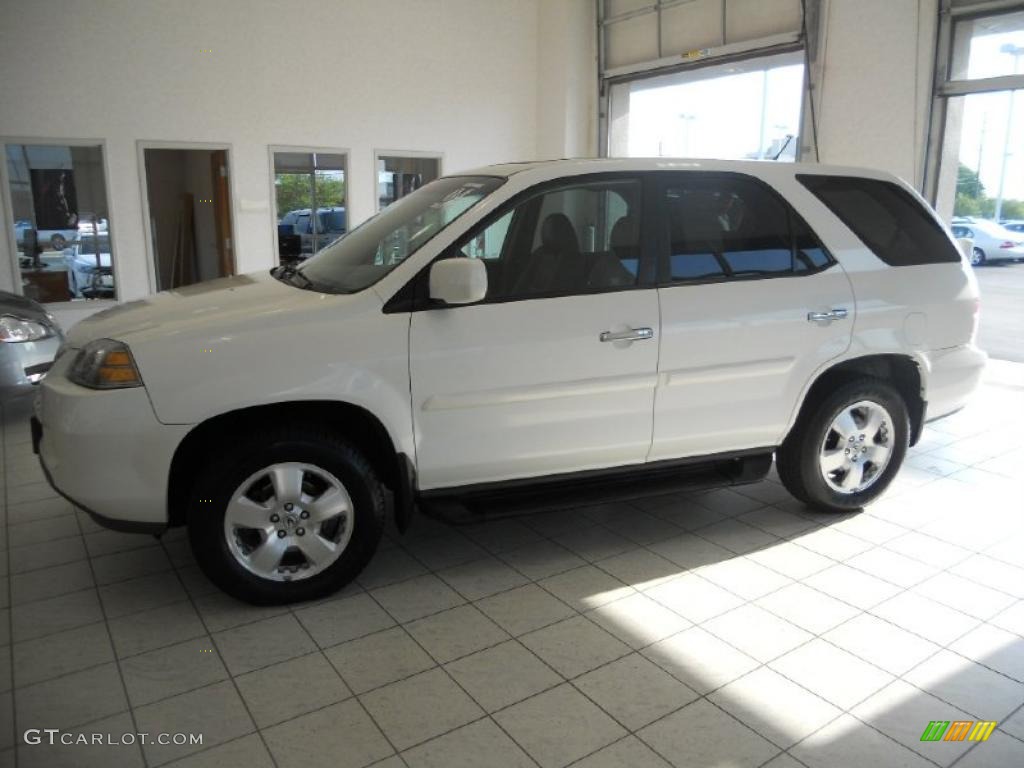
(1017, 51)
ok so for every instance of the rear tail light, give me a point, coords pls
(1009, 244)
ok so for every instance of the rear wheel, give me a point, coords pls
(845, 450)
(978, 257)
(289, 515)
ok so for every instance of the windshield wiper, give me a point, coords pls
(286, 272)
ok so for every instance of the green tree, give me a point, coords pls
(968, 183)
(293, 192)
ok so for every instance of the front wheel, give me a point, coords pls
(843, 452)
(285, 515)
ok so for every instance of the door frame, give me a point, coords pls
(141, 146)
(7, 210)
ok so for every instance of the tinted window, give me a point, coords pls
(733, 227)
(575, 239)
(887, 219)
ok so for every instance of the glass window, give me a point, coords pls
(887, 219)
(398, 176)
(61, 223)
(576, 239)
(988, 46)
(304, 182)
(731, 227)
(741, 110)
(381, 243)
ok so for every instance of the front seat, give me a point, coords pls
(556, 265)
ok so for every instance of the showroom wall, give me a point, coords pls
(461, 77)
(874, 83)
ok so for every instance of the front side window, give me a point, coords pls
(581, 238)
(730, 227)
(373, 249)
(61, 227)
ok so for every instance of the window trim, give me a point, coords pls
(7, 210)
(413, 297)
(793, 215)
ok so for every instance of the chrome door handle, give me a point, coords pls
(633, 334)
(827, 317)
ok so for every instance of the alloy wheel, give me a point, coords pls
(857, 447)
(289, 521)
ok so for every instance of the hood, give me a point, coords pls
(215, 307)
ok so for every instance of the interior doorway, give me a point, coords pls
(189, 207)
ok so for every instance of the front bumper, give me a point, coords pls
(105, 451)
(22, 364)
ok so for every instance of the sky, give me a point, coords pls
(984, 127)
(719, 115)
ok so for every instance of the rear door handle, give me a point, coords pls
(827, 317)
(633, 334)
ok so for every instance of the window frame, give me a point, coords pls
(274, 149)
(7, 210)
(414, 295)
(413, 154)
(664, 256)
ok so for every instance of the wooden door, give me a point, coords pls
(222, 211)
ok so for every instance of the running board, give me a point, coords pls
(496, 501)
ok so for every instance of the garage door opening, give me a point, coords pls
(189, 206)
(743, 110)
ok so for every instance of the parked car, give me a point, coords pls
(90, 275)
(1014, 225)
(329, 226)
(513, 326)
(29, 339)
(992, 242)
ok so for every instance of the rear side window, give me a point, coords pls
(723, 227)
(887, 219)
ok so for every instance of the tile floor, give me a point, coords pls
(728, 627)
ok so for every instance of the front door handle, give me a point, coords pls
(633, 334)
(827, 317)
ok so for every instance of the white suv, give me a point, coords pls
(520, 324)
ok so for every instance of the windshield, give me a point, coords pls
(377, 246)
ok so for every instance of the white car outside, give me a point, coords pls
(520, 324)
(991, 241)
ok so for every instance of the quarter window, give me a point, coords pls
(725, 227)
(576, 239)
(897, 228)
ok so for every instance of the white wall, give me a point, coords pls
(874, 91)
(456, 76)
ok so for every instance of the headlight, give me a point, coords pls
(105, 364)
(16, 329)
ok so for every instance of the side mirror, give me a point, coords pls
(459, 280)
(966, 246)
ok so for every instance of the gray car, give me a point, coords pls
(29, 339)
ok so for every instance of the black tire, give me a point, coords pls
(247, 453)
(58, 242)
(797, 459)
(978, 258)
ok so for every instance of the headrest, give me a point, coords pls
(557, 234)
(625, 233)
